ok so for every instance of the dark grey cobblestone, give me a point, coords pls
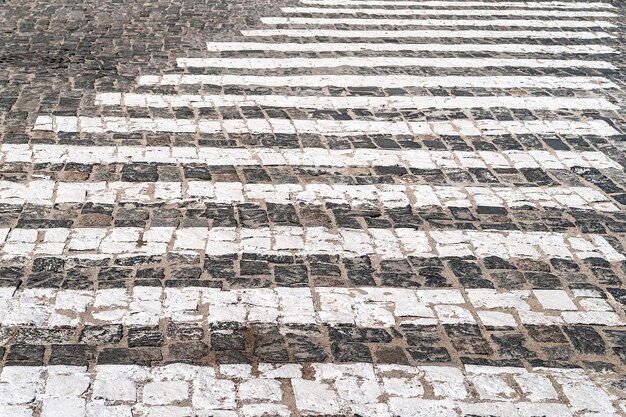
(584, 346)
(250, 271)
(257, 215)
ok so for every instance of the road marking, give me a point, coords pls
(352, 102)
(455, 127)
(385, 47)
(464, 34)
(445, 4)
(383, 81)
(370, 307)
(448, 12)
(530, 23)
(417, 196)
(398, 243)
(381, 61)
(118, 386)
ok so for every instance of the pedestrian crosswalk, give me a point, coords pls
(359, 207)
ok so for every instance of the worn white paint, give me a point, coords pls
(373, 307)
(345, 102)
(381, 61)
(530, 23)
(465, 34)
(456, 127)
(397, 243)
(418, 196)
(447, 12)
(383, 81)
(437, 47)
(264, 389)
(573, 5)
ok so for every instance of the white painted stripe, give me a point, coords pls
(417, 196)
(397, 243)
(437, 22)
(314, 389)
(464, 34)
(351, 102)
(457, 127)
(482, 4)
(382, 61)
(448, 12)
(439, 47)
(383, 81)
(374, 307)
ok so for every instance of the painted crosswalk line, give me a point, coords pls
(47, 192)
(386, 81)
(264, 63)
(98, 243)
(529, 23)
(342, 102)
(367, 307)
(447, 12)
(464, 34)
(315, 157)
(451, 3)
(228, 390)
(389, 46)
(457, 127)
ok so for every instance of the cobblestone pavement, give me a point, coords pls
(373, 208)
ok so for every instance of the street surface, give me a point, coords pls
(374, 208)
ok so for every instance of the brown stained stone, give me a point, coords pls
(546, 334)
(314, 217)
(472, 345)
(390, 354)
(94, 220)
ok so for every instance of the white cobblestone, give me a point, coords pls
(533, 23)
(282, 240)
(332, 102)
(165, 392)
(85, 154)
(218, 46)
(360, 388)
(452, 34)
(364, 306)
(45, 192)
(394, 80)
(555, 5)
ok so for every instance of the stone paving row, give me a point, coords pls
(46, 192)
(454, 345)
(278, 390)
(255, 271)
(366, 306)
(96, 243)
(400, 208)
